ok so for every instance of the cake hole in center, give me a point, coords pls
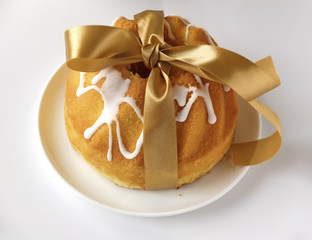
(140, 69)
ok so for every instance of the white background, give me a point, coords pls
(273, 200)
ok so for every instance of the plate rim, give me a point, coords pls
(119, 210)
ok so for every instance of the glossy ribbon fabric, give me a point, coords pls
(93, 48)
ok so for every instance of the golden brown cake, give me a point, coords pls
(104, 122)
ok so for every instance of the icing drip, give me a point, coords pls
(113, 92)
(180, 94)
(170, 33)
(187, 31)
(188, 25)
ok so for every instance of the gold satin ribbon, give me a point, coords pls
(93, 48)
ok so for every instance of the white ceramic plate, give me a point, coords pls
(82, 177)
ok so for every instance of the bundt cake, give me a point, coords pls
(104, 114)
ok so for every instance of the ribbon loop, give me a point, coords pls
(93, 48)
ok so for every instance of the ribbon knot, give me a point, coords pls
(150, 55)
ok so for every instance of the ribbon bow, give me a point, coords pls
(93, 48)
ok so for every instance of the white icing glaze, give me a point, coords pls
(188, 25)
(170, 33)
(187, 32)
(113, 92)
(182, 115)
(180, 94)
